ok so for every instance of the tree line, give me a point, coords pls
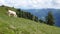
(27, 15)
(49, 19)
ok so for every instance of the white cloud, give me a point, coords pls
(26, 4)
(56, 3)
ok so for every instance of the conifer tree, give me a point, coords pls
(50, 18)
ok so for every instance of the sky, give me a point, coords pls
(31, 4)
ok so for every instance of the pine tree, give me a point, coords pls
(19, 12)
(36, 19)
(50, 18)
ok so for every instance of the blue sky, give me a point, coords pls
(31, 4)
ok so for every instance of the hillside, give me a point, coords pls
(11, 25)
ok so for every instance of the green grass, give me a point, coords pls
(12, 25)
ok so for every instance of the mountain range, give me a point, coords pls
(42, 13)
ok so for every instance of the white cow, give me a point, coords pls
(12, 13)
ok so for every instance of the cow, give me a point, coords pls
(12, 13)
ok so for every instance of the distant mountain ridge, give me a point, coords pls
(41, 13)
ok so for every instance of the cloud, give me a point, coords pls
(31, 4)
(56, 3)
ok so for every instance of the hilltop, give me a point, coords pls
(12, 25)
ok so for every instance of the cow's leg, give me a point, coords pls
(15, 15)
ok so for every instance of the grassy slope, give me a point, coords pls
(11, 25)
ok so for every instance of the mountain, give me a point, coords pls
(12, 25)
(42, 13)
